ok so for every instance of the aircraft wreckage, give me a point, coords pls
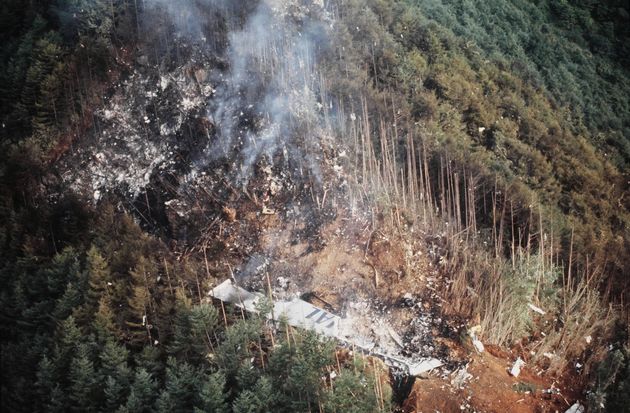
(301, 314)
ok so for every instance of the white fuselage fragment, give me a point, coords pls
(301, 314)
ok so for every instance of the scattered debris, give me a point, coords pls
(267, 211)
(478, 345)
(461, 376)
(536, 309)
(552, 390)
(516, 367)
(299, 313)
(473, 332)
(588, 339)
(283, 283)
(394, 335)
(424, 366)
(229, 214)
(576, 408)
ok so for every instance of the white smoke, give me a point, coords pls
(269, 97)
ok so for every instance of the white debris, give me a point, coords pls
(478, 345)
(188, 104)
(588, 339)
(395, 336)
(299, 313)
(231, 293)
(283, 282)
(97, 195)
(267, 211)
(163, 82)
(576, 408)
(516, 367)
(423, 366)
(482, 129)
(472, 332)
(461, 377)
(536, 309)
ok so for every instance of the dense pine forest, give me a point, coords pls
(492, 136)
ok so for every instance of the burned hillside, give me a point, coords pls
(300, 205)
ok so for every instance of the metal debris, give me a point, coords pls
(536, 309)
(301, 314)
(576, 408)
(516, 367)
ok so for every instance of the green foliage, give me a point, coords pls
(142, 393)
(611, 389)
(576, 39)
(297, 368)
(82, 382)
(353, 393)
(194, 326)
(213, 397)
(247, 402)
(529, 95)
(236, 349)
(473, 79)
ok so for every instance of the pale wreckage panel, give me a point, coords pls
(301, 314)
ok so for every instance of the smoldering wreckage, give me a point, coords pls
(232, 151)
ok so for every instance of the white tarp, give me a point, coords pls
(299, 313)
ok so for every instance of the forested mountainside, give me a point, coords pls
(455, 170)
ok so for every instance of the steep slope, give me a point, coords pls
(417, 166)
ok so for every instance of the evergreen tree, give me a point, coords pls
(247, 374)
(212, 395)
(142, 393)
(180, 343)
(68, 302)
(98, 280)
(297, 367)
(204, 319)
(140, 315)
(181, 387)
(82, 390)
(69, 338)
(104, 325)
(266, 395)
(51, 398)
(192, 328)
(151, 359)
(353, 393)
(113, 359)
(247, 402)
(235, 349)
(114, 393)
